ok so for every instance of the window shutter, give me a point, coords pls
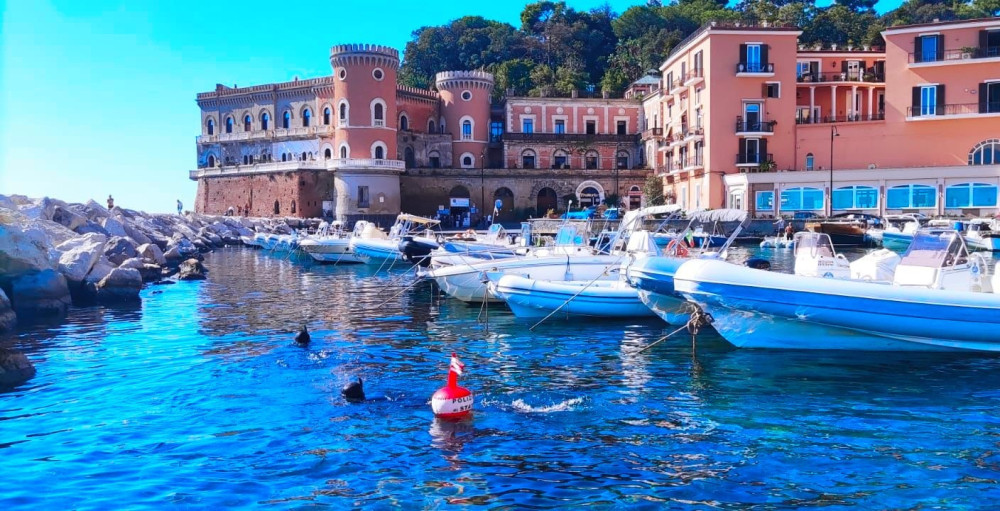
(916, 101)
(984, 43)
(763, 56)
(843, 66)
(763, 150)
(814, 68)
(982, 98)
(939, 107)
(743, 55)
(763, 90)
(743, 150)
(940, 47)
(917, 50)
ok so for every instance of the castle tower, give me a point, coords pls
(465, 108)
(366, 165)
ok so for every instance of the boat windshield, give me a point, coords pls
(935, 249)
(814, 244)
(496, 232)
(571, 235)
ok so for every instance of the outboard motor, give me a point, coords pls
(757, 263)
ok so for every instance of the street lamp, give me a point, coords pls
(618, 198)
(833, 133)
(482, 183)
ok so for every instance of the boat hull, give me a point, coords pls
(376, 251)
(896, 240)
(532, 298)
(759, 309)
(984, 243)
(335, 251)
(653, 277)
(417, 250)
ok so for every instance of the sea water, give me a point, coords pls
(200, 398)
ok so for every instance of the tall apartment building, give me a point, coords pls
(744, 117)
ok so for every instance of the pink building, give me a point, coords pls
(914, 127)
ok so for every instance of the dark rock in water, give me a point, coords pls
(303, 336)
(15, 368)
(121, 285)
(7, 317)
(192, 269)
(354, 392)
(41, 293)
(757, 263)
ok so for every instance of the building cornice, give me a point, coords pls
(911, 29)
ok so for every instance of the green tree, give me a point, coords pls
(652, 189)
(571, 76)
(512, 75)
(543, 81)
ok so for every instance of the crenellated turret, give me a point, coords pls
(465, 112)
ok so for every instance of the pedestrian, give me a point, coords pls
(789, 231)
(180, 207)
(111, 202)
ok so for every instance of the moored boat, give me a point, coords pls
(330, 245)
(375, 247)
(983, 234)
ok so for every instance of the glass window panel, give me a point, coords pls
(898, 197)
(957, 196)
(866, 197)
(928, 47)
(791, 199)
(765, 201)
(812, 198)
(984, 196)
(843, 198)
(924, 196)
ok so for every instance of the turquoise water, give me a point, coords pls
(201, 399)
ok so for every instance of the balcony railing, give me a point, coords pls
(755, 67)
(568, 137)
(754, 126)
(652, 132)
(692, 162)
(959, 54)
(754, 158)
(366, 164)
(850, 76)
(945, 110)
(378, 123)
(829, 119)
(693, 76)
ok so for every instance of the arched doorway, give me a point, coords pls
(589, 193)
(547, 199)
(503, 204)
(634, 197)
(458, 207)
(277, 208)
(411, 162)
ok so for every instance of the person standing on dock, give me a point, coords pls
(180, 207)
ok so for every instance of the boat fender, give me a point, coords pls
(757, 263)
(452, 401)
(676, 248)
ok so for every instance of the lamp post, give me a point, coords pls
(482, 183)
(833, 133)
(618, 198)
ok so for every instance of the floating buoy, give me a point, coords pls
(452, 401)
(302, 338)
(354, 392)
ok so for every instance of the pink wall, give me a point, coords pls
(360, 88)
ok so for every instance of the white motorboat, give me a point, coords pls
(896, 231)
(777, 242)
(331, 244)
(940, 298)
(983, 234)
(375, 247)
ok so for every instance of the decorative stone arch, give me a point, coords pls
(467, 160)
(265, 118)
(460, 191)
(589, 184)
(506, 196)
(211, 158)
(229, 124)
(431, 126)
(306, 114)
(404, 122)
(530, 153)
(467, 120)
(344, 150)
(343, 112)
(210, 119)
(566, 153)
(243, 120)
(986, 152)
(327, 114)
(442, 127)
(372, 106)
(376, 145)
(286, 119)
(409, 157)
(326, 150)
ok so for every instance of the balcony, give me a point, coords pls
(258, 168)
(694, 77)
(761, 69)
(753, 159)
(366, 164)
(848, 77)
(569, 137)
(677, 139)
(956, 56)
(830, 119)
(652, 133)
(744, 128)
(379, 123)
(961, 111)
(694, 133)
(693, 163)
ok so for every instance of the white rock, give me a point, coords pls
(152, 253)
(79, 255)
(114, 227)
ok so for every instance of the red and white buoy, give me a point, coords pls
(452, 401)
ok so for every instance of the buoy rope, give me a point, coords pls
(695, 322)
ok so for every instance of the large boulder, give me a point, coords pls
(149, 272)
(68, 218)
(192, 269)
(15, 368)
(114, 227)
(152, 254)
(78, 255)
(121, 285)
(40, 294)
(90, 227)
(136, 234)
(7, 316)
(22, 249)
(118, 249)
(94, 211)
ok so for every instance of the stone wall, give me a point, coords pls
(307, 189)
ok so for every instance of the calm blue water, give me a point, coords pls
(200, 399)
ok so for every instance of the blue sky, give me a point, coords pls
(98, 97)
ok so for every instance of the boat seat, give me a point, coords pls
(907, 275)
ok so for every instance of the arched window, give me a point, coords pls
(404, 123)
(343, 113)
(247, 122)
(303, 156)
(211, 160)
(277, 208)
(986, 152)
(527, 159)
(408, 158)
(466, 130)
(434, 159)
(306, 115)
(621, 161)
(592, 160)
(326, 116)
(293, 207)
(210, 125)
(855, 197)
(343, 151)
(431, 128)
(379, 153)
(284, 157)
(286, 120)
(911, 196)
(265, 121)
(560, 159)
(327, 153)
(467, 161)
(378, 114)
(809, 161)
(970, 195)
(229, 124)
(802, 198)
